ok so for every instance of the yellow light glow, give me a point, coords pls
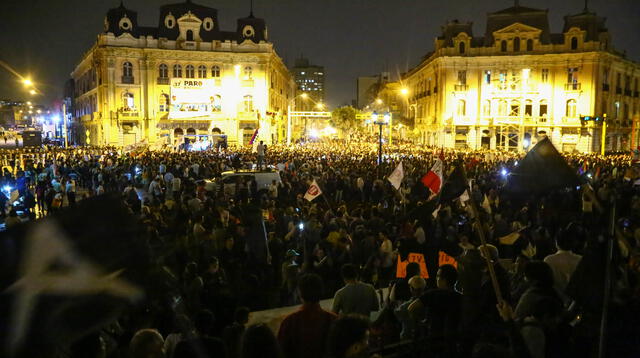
(27, 82)
(404, 91)
(378, 101)
(319, 106)
(236, 69)
(29, 102)
(32, 92)
(304, 95)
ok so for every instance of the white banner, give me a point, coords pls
(191, 97)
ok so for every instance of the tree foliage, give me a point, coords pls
(344, 118)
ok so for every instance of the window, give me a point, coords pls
(486, 108)
(189, 35)
(502, 107)
(571, 108)
(543, 108)
(190, 71)
(605, 77)
(127, 69)
(163, 71)
(163, 103)
(515, 109)
(248, 103)
(128, 101)
(627, 83)
(202, 71)
(177, 71)
(503, 46)
(529, 45)
(574, 43)
(487, 77)
(516, 44)
(462, 108)
(248, 72)
(215, 71)
(462, 77)
(544, 75)
(461, 46)
(216, 103)
(528, 108)
(572, 75)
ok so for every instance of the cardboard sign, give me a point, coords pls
(443, 259)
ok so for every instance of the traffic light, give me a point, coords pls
(596, 119)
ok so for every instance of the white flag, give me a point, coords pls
(464, 197)
(486, 204)
(313, 191)
(396, 176)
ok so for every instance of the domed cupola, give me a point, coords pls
(121, 20)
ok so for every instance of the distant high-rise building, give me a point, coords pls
(368, 87)
(309, 79)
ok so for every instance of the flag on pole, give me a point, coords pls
(455, 185)
(396, 176)
(486, 205)
(433, 179)
(313, 191)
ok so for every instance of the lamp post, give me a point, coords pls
(376, 119)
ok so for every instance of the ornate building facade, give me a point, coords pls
(184, 77)
(519, 81)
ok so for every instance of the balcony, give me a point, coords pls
(605, 87)
(127, 80)
(627, 92)
(247, 83)
(461, 88)
(128, 113)
(188, 45)
(572, 86)
(163, 80)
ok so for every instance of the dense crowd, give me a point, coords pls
(547, 252)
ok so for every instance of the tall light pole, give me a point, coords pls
(380, 122)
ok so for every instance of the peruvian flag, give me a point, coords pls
(313, 191)
(433, 179)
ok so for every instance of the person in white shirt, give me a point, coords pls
(564, 262)
(176, 184)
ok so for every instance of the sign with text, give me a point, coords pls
(443, 259)
(192, 97)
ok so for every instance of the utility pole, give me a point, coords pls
(603, 140)
(64, 123)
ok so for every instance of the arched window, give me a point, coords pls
(177, 71)
(190, 71)
(572, 107)
(503, 46)
(128, 102)
(529, 45)
(515, 109)
(248, 103)
(216, 103)
(163, 103)
(486, 108)
(516, 44)
(544, 108)
(178, 132)
(574, 43)
(215, 71)
(528, 108)
(202, 71)
(163, 71)
(189, 35)
(191, 131)
(462, 108)
(127, 69)
(502, 108)
(461, 47)
(248, 73)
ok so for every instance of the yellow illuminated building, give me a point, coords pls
(186, 76)
(519, 82)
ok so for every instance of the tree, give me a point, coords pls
(344, 119)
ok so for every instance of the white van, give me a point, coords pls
(230, 178)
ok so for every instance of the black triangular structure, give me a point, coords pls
(543, 169)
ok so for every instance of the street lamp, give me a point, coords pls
(378, 101)
(27, 82)
(375, 118)
(32, 92)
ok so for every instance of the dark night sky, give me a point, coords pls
(45, 38)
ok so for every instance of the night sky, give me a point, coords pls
(45, 38)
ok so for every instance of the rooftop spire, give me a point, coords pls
(516, 3)
(250, 8)
(121, 4)
(586, 5)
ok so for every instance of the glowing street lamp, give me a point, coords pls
(32, 92)
(404, 91)
(27, 82)
(304, 96)
(378, 101)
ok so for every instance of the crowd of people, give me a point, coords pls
(225, 251)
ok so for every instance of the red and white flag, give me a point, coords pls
(313, 191)
(433, 179)
(396, 176)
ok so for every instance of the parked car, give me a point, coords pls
(227, 180)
